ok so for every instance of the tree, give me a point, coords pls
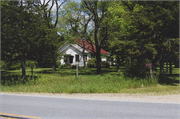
(78, 20)
(98, 9)
(165, 19)
(50, 18)
(141, 28)
(128, 35)
(87, 20)
(25, 35)
(16, 32)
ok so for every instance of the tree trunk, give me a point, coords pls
(166, 66)
(129, 58)
(98, 58)
(84, 55)
(118, 62)
(154, 64)
(54, 65)
(170, 67)
(151, 72)
(84, 62)
(161, 61)
(54, 68)
(161, 67)
(37, 64)
(23, 68)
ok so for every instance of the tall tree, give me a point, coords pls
(78, 20)
(25, 35)
(16, 32)
(51, 19)
(164, 19)
(98, 9)
(142, 28)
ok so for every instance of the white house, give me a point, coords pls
(73, 53)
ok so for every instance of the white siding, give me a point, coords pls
(69, 50)
(103, 59)
(62, 61)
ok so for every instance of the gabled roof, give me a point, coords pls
(66, 45)
(79, 48)
(88, 46)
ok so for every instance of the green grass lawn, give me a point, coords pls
(65, 81)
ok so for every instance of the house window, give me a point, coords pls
(77, 58)
(85, 58)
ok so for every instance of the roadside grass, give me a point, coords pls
(83, 84)
(65, 81)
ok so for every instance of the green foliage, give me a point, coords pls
(58, 64)
(27, 34)
(15, 80)
(84, 84)
(65, 66)
(16, 65)
(3, 65)
(105, 64)
(91, 63)
(30, 63)
(10, 65)
(64, 81)
(139, 30)
(73, 66)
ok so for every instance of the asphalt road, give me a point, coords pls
(66, 108)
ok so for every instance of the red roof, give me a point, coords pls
(88, 46)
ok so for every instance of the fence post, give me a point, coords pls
(151, 73)
(77, 70)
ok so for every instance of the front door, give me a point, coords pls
(71, 59)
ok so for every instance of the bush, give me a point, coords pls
(73, 66)
(3, 65)
(65, 66)
(91, 63)
(15, 66)
(58, 64)
(105, 64)
(9, 80)
(10, 65)
(30, 63)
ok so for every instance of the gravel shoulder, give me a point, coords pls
(150, 97)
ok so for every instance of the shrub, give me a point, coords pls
(9, 80)
(58, 64)
(15, 66)
(10, 65)
(3, 65)
(30, 63)
(65, 66)
(73, 66)
(91, 63)
(105, 64)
